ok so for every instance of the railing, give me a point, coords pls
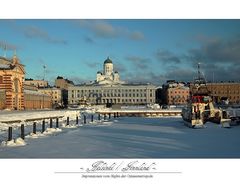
(44, 124)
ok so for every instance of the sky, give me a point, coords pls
(142, 50)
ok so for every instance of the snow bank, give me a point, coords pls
(37, 135)
(48, 131)
(72, 114)
(52, 130)
(21, 117)
(69, 126)
(14, 143)
(26, 115)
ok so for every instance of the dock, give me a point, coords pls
(142, 113)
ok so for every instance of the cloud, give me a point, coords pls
(120, 68)
(136, 35)
(166, 56)
(103, 29)
(147, 76)
(36, 32)
(92, 65)
(144, 77)
(219, 58)
(180, 74)
(218, 50)
(139, 62)
(78, 80)
(8, 46)
(88, 39)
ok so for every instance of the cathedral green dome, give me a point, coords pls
(108, 61)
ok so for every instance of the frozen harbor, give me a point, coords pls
(132, 137)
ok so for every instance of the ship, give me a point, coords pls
(200, 106)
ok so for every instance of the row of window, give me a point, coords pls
(111, 90)
(179, 96)
(226, 92)
(124, 101)
(113, 95)
(177, 102)
(233, 97)
(179, 92)
(121, 101)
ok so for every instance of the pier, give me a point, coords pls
(141, 113)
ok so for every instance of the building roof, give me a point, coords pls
(32, 92)
(108, 61)
(5, 66)
(113, 85)
(8, 64)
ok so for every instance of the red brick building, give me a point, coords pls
(13, 95)
(11, 81)
(175, 93)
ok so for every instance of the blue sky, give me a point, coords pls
(141, 50)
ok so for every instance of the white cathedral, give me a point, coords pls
(108, 88)
(108, 76)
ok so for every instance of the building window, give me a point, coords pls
(1, 79)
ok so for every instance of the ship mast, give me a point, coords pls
(199, 73)
(44, 71)
(199, 84)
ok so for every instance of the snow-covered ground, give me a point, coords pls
(128, 137)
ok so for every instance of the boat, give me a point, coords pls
(200, 107)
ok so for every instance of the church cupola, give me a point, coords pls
(108, 67)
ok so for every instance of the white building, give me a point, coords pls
(108, 88)
(55, 93)
(108, 76)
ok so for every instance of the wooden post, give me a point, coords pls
(114, 115)
(76, 119)
(91, 118)
(109, 116)
(84, 119)
(22, 131)
(104, 116)
(56, 122)
(43, 126)
(34, 128)
(117, 115)
(50, 122)
(9, 133)
(67, 120)
(99, 117)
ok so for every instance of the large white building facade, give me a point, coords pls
(108, 88)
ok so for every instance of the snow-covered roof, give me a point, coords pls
(4, 66)
(34, 93)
